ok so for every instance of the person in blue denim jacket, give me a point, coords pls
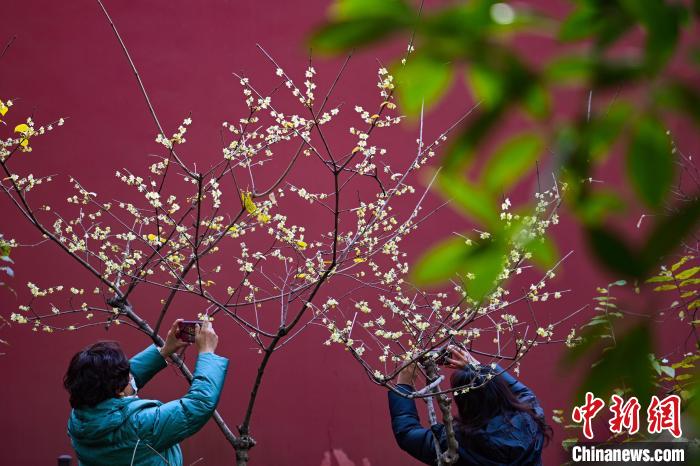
(110, 425)
(499, 423)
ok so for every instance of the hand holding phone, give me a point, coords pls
(205, 338)
(173, 343)
(187, 330)
(445, 352)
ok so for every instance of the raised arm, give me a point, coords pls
(148, 362)
(410, 435)
(162, 426)
(168, 424)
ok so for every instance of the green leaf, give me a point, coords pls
(614, 252)
(627, 364)
(660, 278)
(665, 237)
(462, 149)
(681, 97)
(661, 21)
(453, 257)
(680, 263)
(579, 24)
(355, 23)
(442, 262)
(486, 264)
(573, 69)
(511, 162)
(610, 73)
(669, 231)
(687, 273)
(665, 288)
(610, 24)
(537, 101)
(342, 36)
(650, 164)
(421, 79)
(471, 200)
(660, 369)
(567, 443)
(603, 21)
(604, 129)
(544, 252)
(486, 84)
(668, 371)
(353, 9)
(595, 207)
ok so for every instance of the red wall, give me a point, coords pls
(66, 62)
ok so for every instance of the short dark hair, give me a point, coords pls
(96, 373)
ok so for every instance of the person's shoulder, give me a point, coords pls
(134, 406)
(140, 413)
(516, 429)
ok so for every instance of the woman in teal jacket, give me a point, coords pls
(109, 425)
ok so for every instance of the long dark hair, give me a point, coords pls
(478, 406)
(96, 373)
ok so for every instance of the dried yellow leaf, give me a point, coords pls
(248, 203)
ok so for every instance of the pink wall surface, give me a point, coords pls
(66, 62)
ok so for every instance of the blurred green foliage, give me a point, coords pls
(5, 249)
(476, 41)
(621, 353)
(619, 49)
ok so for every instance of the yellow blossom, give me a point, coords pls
(26, 131)
(151, 237)
(3, 108)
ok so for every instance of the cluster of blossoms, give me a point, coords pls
(243, 236)
(22, 133)
(402, 322)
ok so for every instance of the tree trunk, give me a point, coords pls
(449, 456)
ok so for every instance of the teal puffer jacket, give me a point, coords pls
(129, 430)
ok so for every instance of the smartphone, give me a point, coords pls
(186, 330)
(444, 352)
(442, 356)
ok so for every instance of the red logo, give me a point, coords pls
(587, 412)
(625, 415)
(665, 415)
(661, 415)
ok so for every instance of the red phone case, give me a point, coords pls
(186, 330)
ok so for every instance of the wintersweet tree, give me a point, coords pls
(252, 241)
(401, 323)
(232, 239)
